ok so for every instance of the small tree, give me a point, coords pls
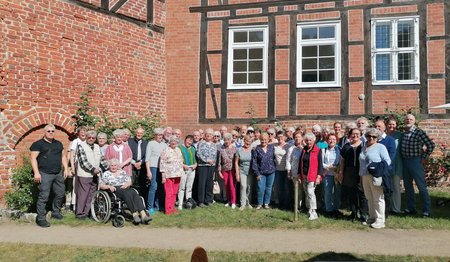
(83, 116)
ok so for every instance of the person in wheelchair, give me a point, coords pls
(117, 181)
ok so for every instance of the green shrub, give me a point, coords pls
(24, 192)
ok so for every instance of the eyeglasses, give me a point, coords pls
(371, 136)
(50, 131)
(216, 136)
(270, 134)
(250, 131)
(91, 137)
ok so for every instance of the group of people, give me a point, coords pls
(358, 164)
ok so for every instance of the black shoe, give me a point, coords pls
(42, 223)
(136, 219)
(57, 216)
(82, 217)
(201, 205)
(410, 212)
(146, 219)
(425, 215)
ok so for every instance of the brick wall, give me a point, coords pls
(50, 50)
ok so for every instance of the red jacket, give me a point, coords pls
(315, 167)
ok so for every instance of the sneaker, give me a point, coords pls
(180, 208)
(57, 216)
(266, 206)
(82, 217)
(136, 219)
(249, 206)
(377, 225)
(233, 206)
(242, 208)
(425, 215)
(42, 223)
(369, 221)
(258, 207)
(313, 215)
(201, 205)
(227, 205)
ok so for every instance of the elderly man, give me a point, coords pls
(223, 131)
(138, 147)
(168, 131)
(88, 166)
(206, 162)
(71, 179)
(362, 124)
(290, 135)
(412, 145)
(196, 138)
(46, 159)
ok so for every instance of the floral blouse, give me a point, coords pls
(109, 179)
(171, 162)
(226, 158)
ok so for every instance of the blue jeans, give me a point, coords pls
(152, 201)
(265, 184)
(413, 170)
(332, 194)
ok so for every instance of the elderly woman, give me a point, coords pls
(263, 166)
(272, 136)
(119, 182)
(152, 155)
(348, 175)
(281, 187)
(310, 172)
(102, 141)
(206, 164)
(236, 142)
(397, 167)
(171, 168)
(292, 160)
(242, 160)
(189, 166)
(332, 192)
(320, 139)
(225, 169)
(374, 152)
(121, 151)
(216, 139)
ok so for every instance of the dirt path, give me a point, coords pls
(386, 241)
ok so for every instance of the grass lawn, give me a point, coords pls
(38, 252)
(218, 216)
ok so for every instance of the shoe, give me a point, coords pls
(233, 206)
(426, 215)
(369, 221)
(151, 211)
(410, 212)
(249, 206)
(57, 216)
(266, 206)
(201, 205)
(180, 208)
(136, 219)
(258, 207)
(42, 223)
(395, 213)
(227, 205)
(313, 215)
(81, 217)
(146, 219)
(377, 225)
(242, 208)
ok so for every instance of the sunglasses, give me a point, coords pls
(371, 136)
(216, 136)
(91, 137)
(50, 131)
(250, 131)
(270, 134)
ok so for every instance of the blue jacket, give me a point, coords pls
(381, 169)
(389, 143)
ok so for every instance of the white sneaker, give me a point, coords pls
(180, 207)
(227, 205)
(377, 225)
(233, 206)
(242, 208)
(249, 206)
(313, 215)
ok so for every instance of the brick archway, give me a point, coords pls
(32, 120)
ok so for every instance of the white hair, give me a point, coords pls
(310, 136)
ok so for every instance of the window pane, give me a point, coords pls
(383, 67)
(239, 54)
(240, 78)
(256, 36)
(326, 50)
(309, 51)
(309, 63)
(326, 32)
(406, 66)
(240, 66)
(240, 37)
(256, 53)
(405, 34)
(255, 66)
(383, 35)
(326, 63)
(309, 76)
(309, 33)
(326, 75)
(255, 78)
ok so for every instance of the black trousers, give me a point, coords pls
(205, 184)
(131, 199)
(50, 182)
(356, 199)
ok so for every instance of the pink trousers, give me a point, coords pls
(171, 190)
(229, 181)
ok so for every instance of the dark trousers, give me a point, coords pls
(205, 184)
(356, 199)
(139, 181)
(131, 198)
(86, 188)
(49, 183)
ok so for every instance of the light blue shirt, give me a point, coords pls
(375, 153)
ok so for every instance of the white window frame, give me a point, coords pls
(394, 50)
(316, 42)
(232, 46)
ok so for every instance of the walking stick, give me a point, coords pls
(295, 199)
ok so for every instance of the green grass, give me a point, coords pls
(218, 216)
(39, 252)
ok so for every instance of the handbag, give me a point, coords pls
(216, 188)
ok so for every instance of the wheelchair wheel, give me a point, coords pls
(118, 221)
(101, 207)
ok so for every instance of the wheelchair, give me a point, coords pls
(106, 205)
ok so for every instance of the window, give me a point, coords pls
(247, 56)
(318, 51)
(395, 51)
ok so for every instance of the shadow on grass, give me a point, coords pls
(332, 256)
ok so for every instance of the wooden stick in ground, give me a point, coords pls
(295, 199)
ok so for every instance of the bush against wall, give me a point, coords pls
(24, 192)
